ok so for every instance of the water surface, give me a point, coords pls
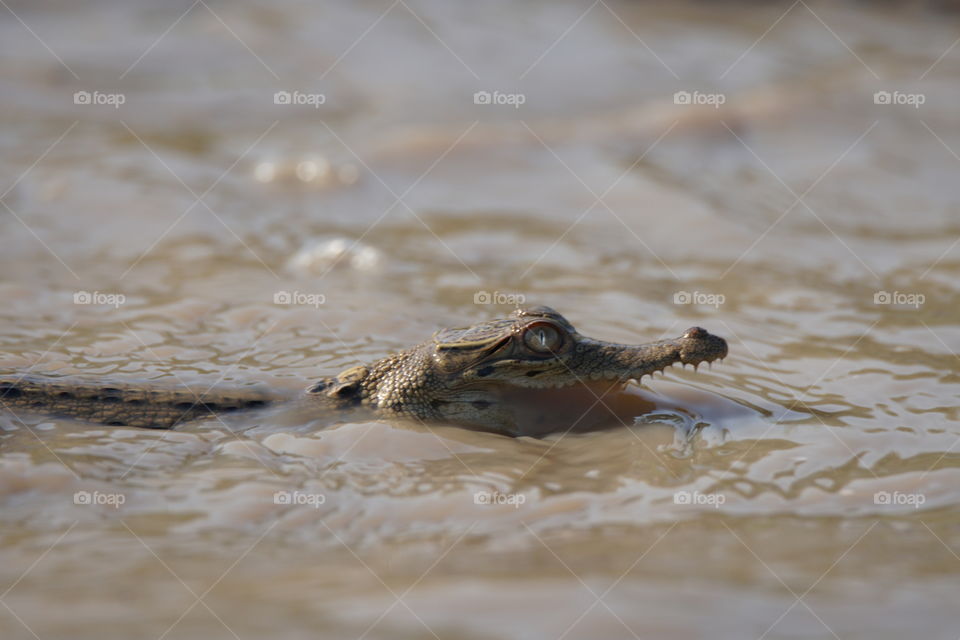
(807, 487)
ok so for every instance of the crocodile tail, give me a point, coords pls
(122, 403)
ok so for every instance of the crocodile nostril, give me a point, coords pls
(696, 333)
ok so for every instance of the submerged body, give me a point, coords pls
(527, 374)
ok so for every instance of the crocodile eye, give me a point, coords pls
(542, 338)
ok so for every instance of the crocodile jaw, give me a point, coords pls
(596, 361)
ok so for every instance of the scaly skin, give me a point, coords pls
(484, 377)
(122, 404)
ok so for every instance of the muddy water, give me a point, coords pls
(807, 487)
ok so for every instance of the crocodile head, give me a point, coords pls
(527, 374)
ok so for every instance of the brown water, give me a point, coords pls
(807, 487)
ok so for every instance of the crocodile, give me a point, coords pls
(529, 373)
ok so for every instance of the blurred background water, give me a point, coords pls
(231, 192)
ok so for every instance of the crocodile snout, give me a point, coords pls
(699, 345)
